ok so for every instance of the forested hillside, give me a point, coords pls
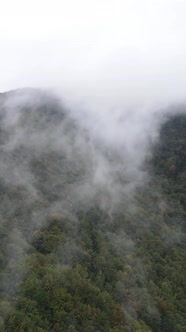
(69, 263)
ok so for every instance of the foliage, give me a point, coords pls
(86, 270)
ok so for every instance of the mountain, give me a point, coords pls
(84, 245)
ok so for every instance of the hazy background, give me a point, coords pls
(103, 53)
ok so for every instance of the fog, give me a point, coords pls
(109, 73)
(118, 66)
(102, 54)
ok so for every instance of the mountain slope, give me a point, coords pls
(70, 262)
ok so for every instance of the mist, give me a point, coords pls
(117, 66)
(107, 60)
(86, 87)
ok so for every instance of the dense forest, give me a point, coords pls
(68, 263)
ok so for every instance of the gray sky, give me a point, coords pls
(104, 52)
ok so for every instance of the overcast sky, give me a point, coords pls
(105, 51)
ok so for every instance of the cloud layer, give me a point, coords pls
(104, 54)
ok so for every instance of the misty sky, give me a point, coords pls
(102, 51)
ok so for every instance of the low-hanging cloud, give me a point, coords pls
(116, 64)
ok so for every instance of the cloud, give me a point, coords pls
(101, 53)
(116, 64)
